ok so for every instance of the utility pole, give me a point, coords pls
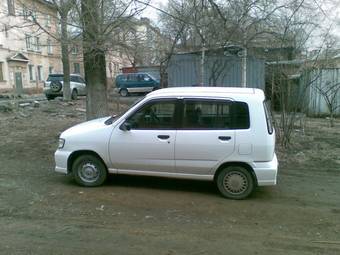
(244, 68)
(244, 61)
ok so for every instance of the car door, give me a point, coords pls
(132, 83)
(82, 86)
(150, 143)
(147, 83)
(205, 137)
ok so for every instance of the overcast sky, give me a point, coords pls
(150, 12)
(330, 9)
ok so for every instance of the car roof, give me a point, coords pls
(61, 74)
(209, 92)
(122, 74)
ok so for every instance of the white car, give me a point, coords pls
(53, 87)
(205, 133)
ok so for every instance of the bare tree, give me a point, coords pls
(64, 7)
(99, 20)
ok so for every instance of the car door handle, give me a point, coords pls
(224, 138)
(163, 137)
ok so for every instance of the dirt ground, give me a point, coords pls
(42, 212)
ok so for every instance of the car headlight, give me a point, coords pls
(61, 143)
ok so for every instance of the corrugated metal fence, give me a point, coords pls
(185, 70)
(323, 79)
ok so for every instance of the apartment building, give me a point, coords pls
(28, 50)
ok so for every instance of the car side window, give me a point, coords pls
(154, 115)
(215, 114)
(73, 79)
(132, 77)
(81, 80)
(123, 77)
(147, 78)
(140, 77)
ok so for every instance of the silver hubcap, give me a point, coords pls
(88, 172)
(235, 182)
(123, 92)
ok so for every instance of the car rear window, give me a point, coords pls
(269, 117)
(58, 77)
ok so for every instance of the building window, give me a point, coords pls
(31, 72)
(49, 47)
(48, 20)
(29, 44)
(6, 28)
(11, 7)
(26, 13)
(76, 67)
(1, 72)
(50, 69)
(37, 43)
(75, 50)
(40, 75)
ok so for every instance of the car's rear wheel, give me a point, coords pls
(235, 182)
(88, 170)
(74, 94)
(124, 92)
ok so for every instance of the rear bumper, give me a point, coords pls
(48, 92)
(266, 172)
(61, 158)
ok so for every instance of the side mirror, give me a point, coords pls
(125, 126)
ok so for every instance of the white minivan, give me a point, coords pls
(218, 134)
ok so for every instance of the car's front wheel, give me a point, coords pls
(88, 170)
(235, 182)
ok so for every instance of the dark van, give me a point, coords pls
(135, 83)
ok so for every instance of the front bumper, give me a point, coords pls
(266, 172)
(61, 158)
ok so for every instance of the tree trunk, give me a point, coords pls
(95, 76)
(64, 57)
(94, 61)
(331, 120)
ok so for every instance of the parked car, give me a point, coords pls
(135, 83)
(205, 133)
(53, 87)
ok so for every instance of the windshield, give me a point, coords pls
(110, 120)
(153, 77)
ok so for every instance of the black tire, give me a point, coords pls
(50, 97)
(124, 92)
(56, 86)
(89, 171)
(235, 182)
(74, 94)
